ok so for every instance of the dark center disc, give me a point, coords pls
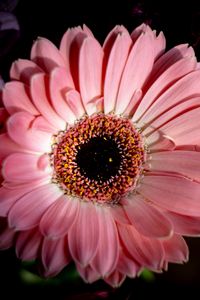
(99, 158)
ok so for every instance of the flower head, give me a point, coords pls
(100, 154)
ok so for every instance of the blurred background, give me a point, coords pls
(21, 22)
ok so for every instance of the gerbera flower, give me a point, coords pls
(100, 158)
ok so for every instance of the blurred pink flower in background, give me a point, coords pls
(9, 32)
(99, 156)
(1, 83)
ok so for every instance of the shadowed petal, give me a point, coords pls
(114, 71)
(184, 225)
(176, 249)
(46, 55)
(8, 196)
(74, 101)
(88, 274)
(84, 234)
(184, 162)
(168, 59)
(55, 256)
(21, 167)
(26, 213)
(7, 235)
(9, 146)
(60, 82)
(126, 265)
(106, 258)
(183, 130)
(39, 94)
(68, 40)
(23, 70)
(185, 87)
(120, 215)
(168, 77)
(160, 142)
(159, 41)
(90, 72)
(147, 219)
(136, 71)
(16, 98)
(147, 252)
(20, 131)
(115, 279)
(60, 216)
(28, 243)
(172, 113)
(176, 194)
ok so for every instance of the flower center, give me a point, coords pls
(98, 159)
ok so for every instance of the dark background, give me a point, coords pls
(180, 23)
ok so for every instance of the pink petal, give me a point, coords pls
(168, 77)
(87, 30)
(179, 109)
(176, 194)
(88, 274)
(43, 162)
(160, 142)
(182, 129)
(158, 41)
(126, 265)
(74, 101)
(20, 131)
(115, 279)
(60, 82)
(68, 41)
(137, 69)
(148, 220)
(176, 249)
(16, 98)
(28, 244)
(26, 213)
(39, 92)
(9, 196)
(23, 70)
(8, 147)
(109, 43)
(20, 167)
(147, 252)
(185, 87)
(111, 37)
(6, 235)
(185, 225)
(139, 30)
(41, 124)
(60, 216)
(135, 100)
(70, 48)
(83, 238)
(90, 72)
(168, 59)
(107, 255)
(46, 55)
(119, 53)
(119, 215)
(159, 45)
(55, 256)
(184, 162)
